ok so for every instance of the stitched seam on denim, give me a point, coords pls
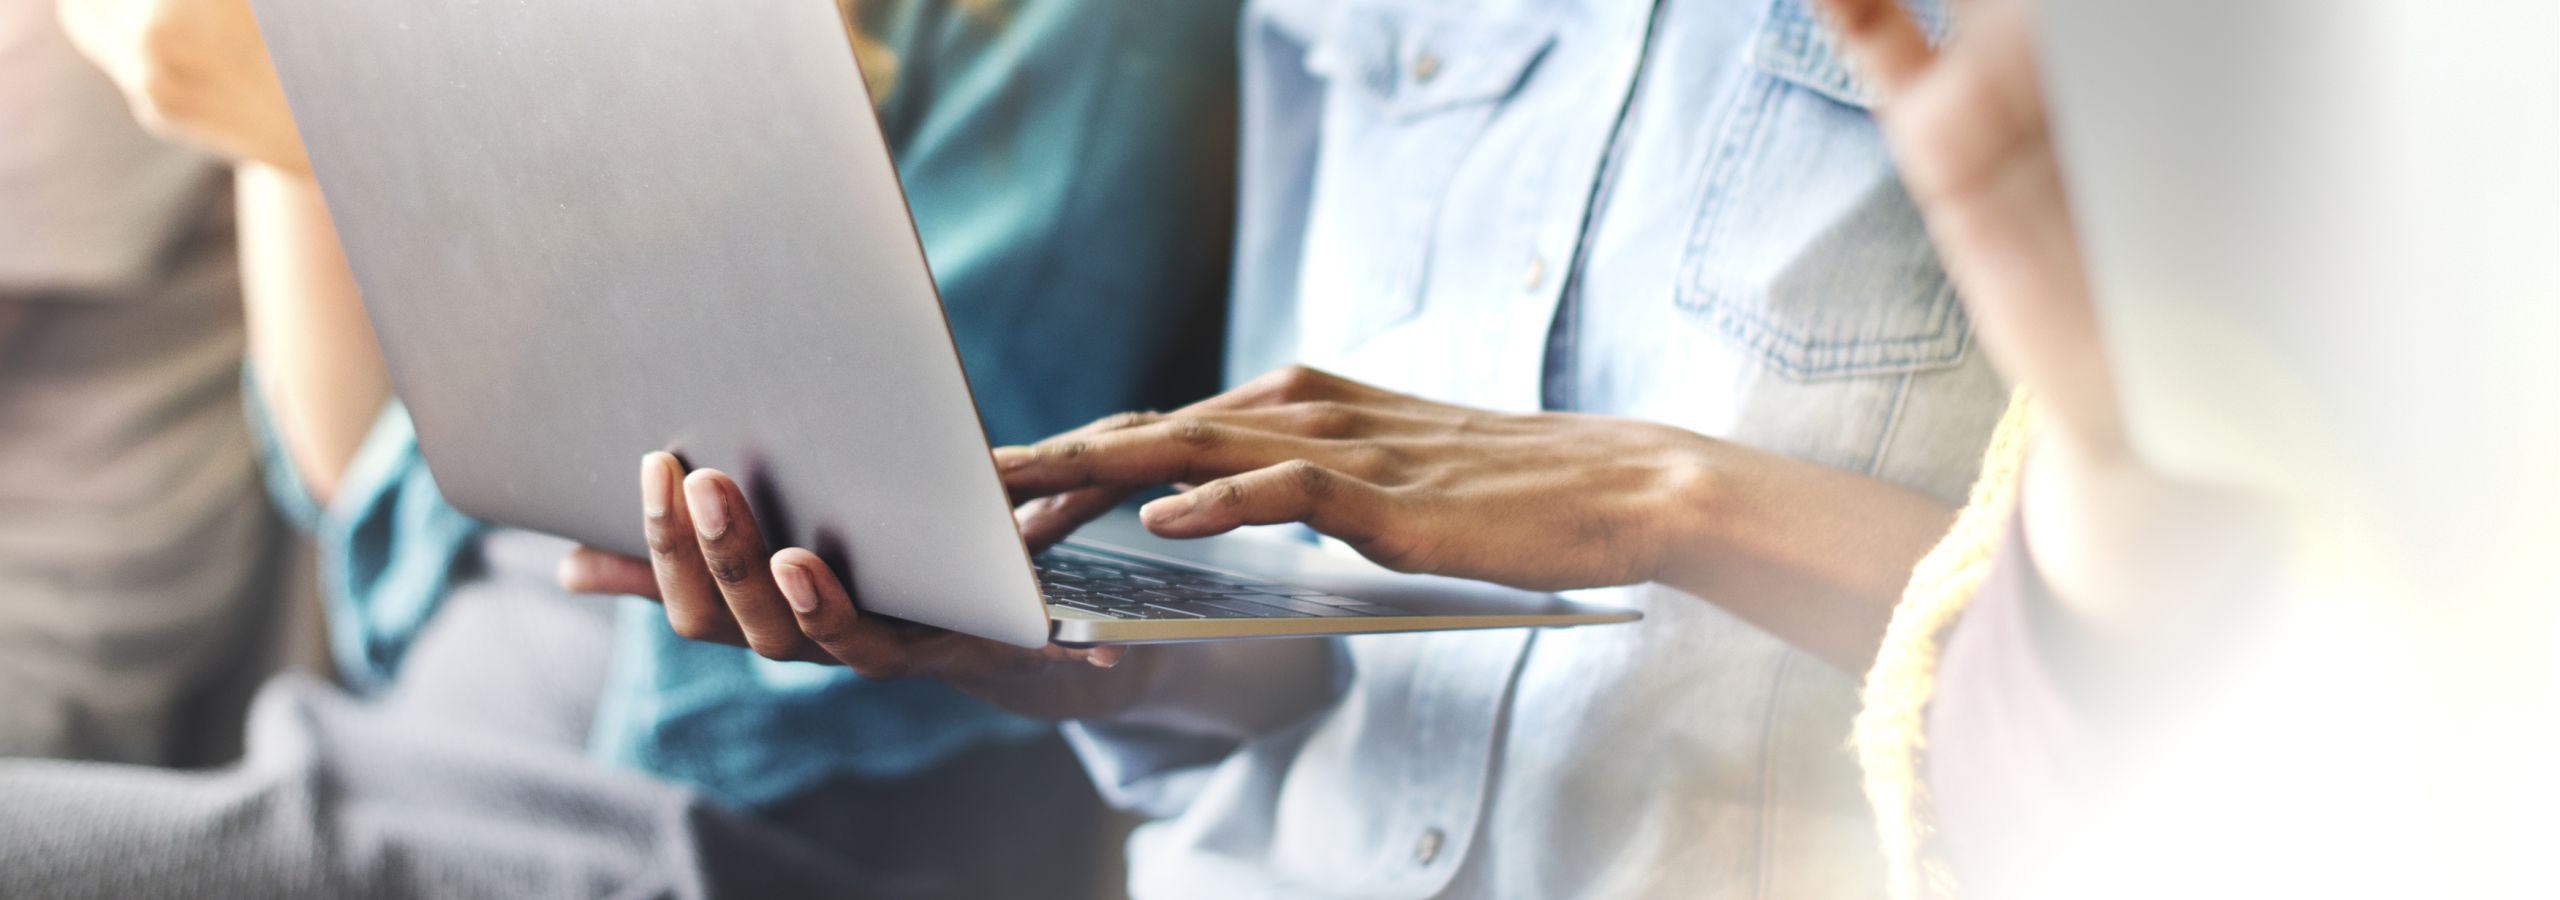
(1806, 358)
(1892, 420)
(1739, 130)
(1795, 39)
(1768, 771)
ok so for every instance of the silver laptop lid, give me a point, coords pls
(588, 229)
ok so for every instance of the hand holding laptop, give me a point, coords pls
(1540, 501)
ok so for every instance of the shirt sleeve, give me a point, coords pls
(388, 543)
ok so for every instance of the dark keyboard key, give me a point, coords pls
(1168, 612)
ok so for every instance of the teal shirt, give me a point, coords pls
(1070, 163)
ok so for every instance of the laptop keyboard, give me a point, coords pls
(1135, 589)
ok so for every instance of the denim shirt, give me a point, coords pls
(1677, 210)
(1078, 225)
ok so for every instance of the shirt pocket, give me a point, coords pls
(1805, 252)
(1407, 95)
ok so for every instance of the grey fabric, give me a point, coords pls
(338, 800)
(469, 779)
(137, 551)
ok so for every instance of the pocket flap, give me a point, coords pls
(1795, 45)
(1419, 64)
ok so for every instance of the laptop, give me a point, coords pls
(590, 229)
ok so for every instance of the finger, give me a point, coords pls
(1179, 449)
(823, 611)
(1328, 501)
(587, 570)
(1284, 386)
(694, 608)
(1050, 519)
(733, 551)
(1882, 41)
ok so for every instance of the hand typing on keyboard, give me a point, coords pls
(1540, 501)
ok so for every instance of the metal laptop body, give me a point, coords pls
(589, 229)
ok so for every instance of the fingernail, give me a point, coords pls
(1166, 510)
(797, 587)
(710, 510)
(653, 485)
(1011, 458)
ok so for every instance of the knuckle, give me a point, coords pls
(730, 570)
(1227, 495)
(1197, 433)
(1296, 382)
(1127, 420)
(1311, 479)
(1067, 451)
(833, 634)
(663, 540)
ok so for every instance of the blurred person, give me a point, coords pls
(2136, 669)
(139, 560)
(1069, 164)
(1578, 295)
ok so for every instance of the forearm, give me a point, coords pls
(318, 369)
(1814, 555)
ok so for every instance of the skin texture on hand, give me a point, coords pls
(1539, 501)
(1543, 501)
(710, 566)
(194, 71)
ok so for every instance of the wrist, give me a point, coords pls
(1698, 481)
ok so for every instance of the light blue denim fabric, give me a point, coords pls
(1675, 210)
(1069, 164)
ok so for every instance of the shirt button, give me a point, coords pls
(1428, 848)
(1537, 274)
(1426, 67)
